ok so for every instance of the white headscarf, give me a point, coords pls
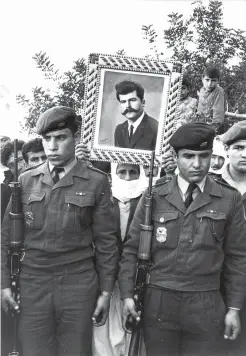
(125, 190)
(218, 150)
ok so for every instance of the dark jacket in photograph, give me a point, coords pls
(144, 138)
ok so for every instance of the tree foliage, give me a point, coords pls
(202, 39)
(196, 41)
(68, 90)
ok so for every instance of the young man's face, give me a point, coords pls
(20, 160)
(237, 156)
(59, 147)
(4, 139)
(217, 162)
(127, 171)
(209, 84)
(131, 106)
(35, 158)
(184, 92)
(193, 165)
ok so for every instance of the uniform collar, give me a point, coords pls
(171, 192)
(183, 184)
(210, 186)
(227, 177)
(80, 169)
(67, 168)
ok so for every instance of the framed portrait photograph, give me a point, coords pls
(129, 108)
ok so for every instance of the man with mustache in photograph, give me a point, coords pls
(139, 131)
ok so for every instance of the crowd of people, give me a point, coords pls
(82, 229)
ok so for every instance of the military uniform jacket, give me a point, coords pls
(65, 224)
(190, 246)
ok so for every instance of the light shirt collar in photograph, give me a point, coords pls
(67, 168)
(183, 185)
(136, 123)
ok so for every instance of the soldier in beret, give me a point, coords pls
(71, 255)
(235, 175)
(198, 226)
(235, 172)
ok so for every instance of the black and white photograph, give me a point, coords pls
(130, 108)
(128, 113)
(123, 178)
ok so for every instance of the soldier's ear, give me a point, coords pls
(143, 102)
(77, 137)
(226, 149)
(174, 154)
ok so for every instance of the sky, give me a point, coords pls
(68, 30)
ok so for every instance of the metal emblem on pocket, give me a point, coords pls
(212, 211)
(161, 234)
(29, 218)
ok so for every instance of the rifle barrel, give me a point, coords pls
(15, 160)
(152, 160)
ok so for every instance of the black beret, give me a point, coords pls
(235, 133)
(193, 136)
(57, 118)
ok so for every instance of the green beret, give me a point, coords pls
(57, 118)
(235, 133)
(193, 136)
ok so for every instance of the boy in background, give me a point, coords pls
(33, 152)
(187, 106)
(211, 101)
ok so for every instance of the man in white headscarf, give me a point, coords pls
(218, 158)
(128, 184)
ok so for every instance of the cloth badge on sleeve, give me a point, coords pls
(161, 234)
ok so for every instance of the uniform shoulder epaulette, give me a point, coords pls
(162, 181)
(33, 167)
(218, 179)
(90, 165)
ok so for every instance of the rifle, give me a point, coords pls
(16, 218)
(143, 266)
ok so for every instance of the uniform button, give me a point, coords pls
(194, 285)
(190, 240)
(162, 220)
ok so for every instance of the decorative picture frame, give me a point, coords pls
(105, 127)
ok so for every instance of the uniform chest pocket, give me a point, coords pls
(78, 211)
(166, 228)
(211, 225)
(33, 209)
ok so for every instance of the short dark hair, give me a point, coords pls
(211, 72)
(34, 145)
(128, 86)
(186, 82)
(8, 148)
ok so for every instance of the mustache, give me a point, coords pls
(129, 110)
